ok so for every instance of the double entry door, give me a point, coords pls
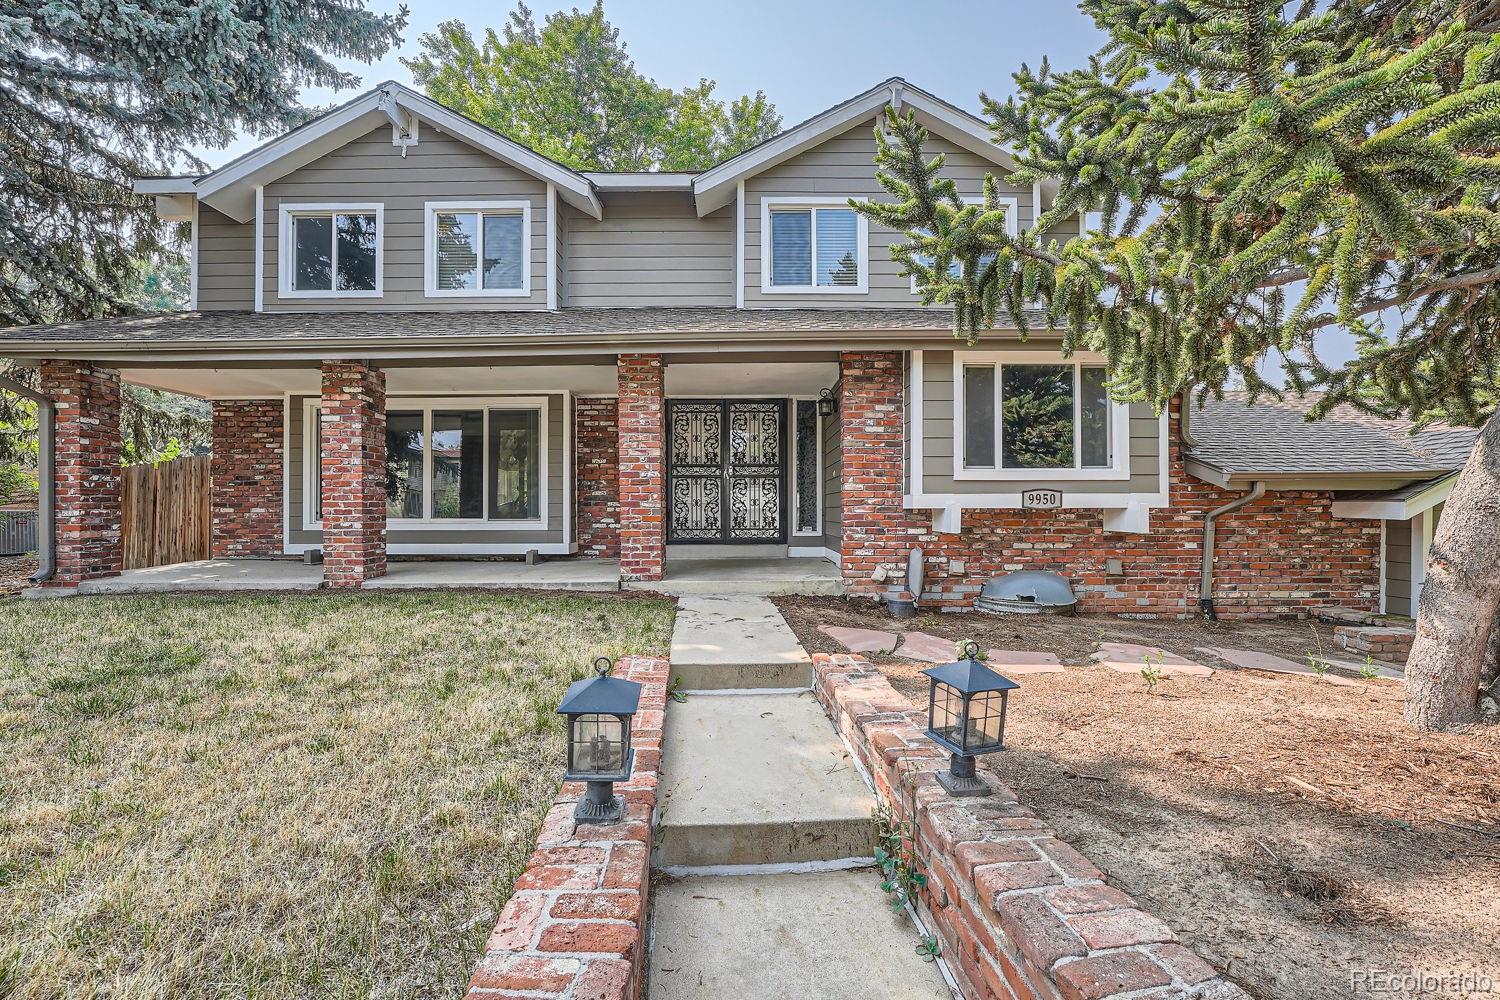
(726, 471)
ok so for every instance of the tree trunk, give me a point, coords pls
(1461, 597)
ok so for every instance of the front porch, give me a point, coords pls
(762, 577)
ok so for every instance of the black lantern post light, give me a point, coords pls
(599, 711)
(966, 717)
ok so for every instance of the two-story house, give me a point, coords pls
(423, 339)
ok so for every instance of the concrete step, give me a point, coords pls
(756, 577)
(725, 552)
(735, 642)
(755, 779)
(829, 935)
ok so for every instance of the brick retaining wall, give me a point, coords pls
(246, 472)
(576, 925)
(1022, 915)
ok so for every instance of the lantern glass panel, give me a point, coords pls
(948, 713)
(598, 744)
(984, 719)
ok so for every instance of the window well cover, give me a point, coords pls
(1028, 590)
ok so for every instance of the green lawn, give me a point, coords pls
(278, 796)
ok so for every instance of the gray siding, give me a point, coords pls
(833, 469)
(1398, 567)
(841, 168)
(226, 261)
(438, 168)
(649, 250)
(937, 442)
(557, 421)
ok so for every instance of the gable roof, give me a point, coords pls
(231, 188)
(714, 188)
(1240, 442)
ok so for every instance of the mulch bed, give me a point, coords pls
(14, 571)
(1295, 833)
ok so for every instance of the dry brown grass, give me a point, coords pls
(278, 796)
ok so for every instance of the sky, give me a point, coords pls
(805, 55)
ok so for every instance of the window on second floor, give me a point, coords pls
(331, 251)
(478, 249)
(812, 247)
(1012, 226)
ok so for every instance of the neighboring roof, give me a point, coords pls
(245, 333)
(1274, 439)
(715, 187)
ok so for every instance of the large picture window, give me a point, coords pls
(811, 247)
(478, 249)
(1054, 418)
(453, 462)
(330, 251)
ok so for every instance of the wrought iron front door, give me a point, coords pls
(726, 470)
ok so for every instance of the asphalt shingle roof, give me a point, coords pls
(1275, 437)
(230, 325)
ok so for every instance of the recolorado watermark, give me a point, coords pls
(1467, 982)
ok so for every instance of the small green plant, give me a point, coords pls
(1319, 667)
(1369, 671)
(930, 947)
(961, 650)
(675, 692)
(898, 863)
(1152, 672)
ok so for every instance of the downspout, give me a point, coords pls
(1206, 578)
(46, 527)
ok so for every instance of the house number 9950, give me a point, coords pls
(1041, 499)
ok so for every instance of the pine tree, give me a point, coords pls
(1261, 171)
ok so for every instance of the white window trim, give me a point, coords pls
(861, 239)
(312, 416)
(429, 239)
(1012, 223)
(796, 505)
(288, 249)
(1119, 420)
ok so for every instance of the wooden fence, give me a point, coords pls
(165, 515)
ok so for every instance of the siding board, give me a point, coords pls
(650, 249)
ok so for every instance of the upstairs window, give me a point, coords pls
(811, 247)
(1045, 417)
(478, 249)
(955, 269)
(331, 251)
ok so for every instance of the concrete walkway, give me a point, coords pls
(762, 818)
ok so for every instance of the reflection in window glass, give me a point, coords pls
(312, 266)
(947, 713)
(791, 248)
(316, 486)
(1036, 424)
(458, 463)
(807, 465)
(1093, 418)
(503, 247)
(356, 252)
(403, 463)
(515, 465)
(457, 250)
(979, 417)
(838, 247)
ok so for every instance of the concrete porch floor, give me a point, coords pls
(218, 575)
(749, 577)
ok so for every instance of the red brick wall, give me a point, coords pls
(1020, 913)
(87, 471)
(353, 473)
(575, 926)
(247, 477)
(598, 450)
(1284, 554)
(642, 429)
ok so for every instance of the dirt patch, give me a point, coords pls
(1295, 833)
(14, 571)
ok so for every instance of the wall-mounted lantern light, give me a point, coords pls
(599, 711)
(966, 717)
(826, 405)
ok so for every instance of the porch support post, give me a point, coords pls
(642, 429)
(87, 470)
(876, 531)
(353, 468)
(245, 467)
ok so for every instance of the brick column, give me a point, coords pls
(876, 530)
(598, 450)
(247, 478)
(642, 430)
(353, 473)
(87, 470)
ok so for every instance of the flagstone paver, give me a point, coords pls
(922, 646)
(1019, 662)
(1257, 659)
(1132, 657)
(860, 640)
